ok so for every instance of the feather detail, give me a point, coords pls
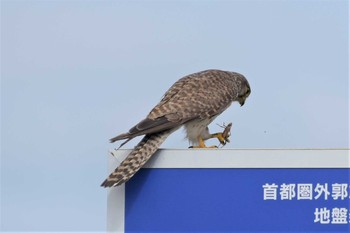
(136, 159)
(148, 126)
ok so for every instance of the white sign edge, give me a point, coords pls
(244, 158)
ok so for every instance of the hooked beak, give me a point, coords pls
(241, 102)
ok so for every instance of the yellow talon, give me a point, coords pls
(202, 145)
(222, 137)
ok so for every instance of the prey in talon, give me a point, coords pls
(224, 136)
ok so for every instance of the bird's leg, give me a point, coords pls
(201, 144)
(224, 136)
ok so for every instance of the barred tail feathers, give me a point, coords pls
(136, 159)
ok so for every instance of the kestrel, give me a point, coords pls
(194, 101)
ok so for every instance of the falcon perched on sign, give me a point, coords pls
(194, 101)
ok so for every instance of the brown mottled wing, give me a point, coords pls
(163, 121)
(147, 126)
(200, 95)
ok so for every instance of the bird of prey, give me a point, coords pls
(194, 101)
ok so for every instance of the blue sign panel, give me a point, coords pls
(238, 200)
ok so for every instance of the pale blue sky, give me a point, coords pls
(76, 73)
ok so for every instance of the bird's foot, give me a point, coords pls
(201, 145)
(223, 138)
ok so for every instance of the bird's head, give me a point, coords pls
(244, 91)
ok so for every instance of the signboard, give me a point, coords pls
(234, 191)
